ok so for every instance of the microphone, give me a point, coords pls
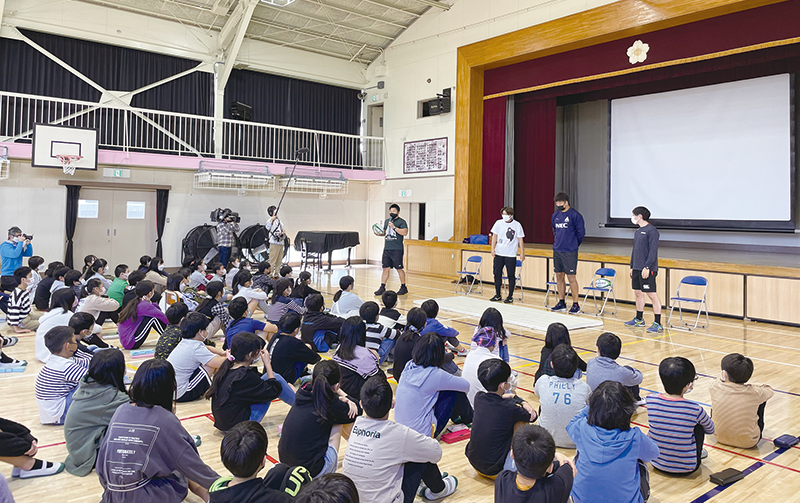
(303, 150)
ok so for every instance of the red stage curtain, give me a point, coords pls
(494, 162)
(535, 159)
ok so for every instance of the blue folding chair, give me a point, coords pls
(608, 276)
(702, 305)
(519, 281)
(552, 286)
(471, 277)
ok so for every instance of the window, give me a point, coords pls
(88, 208)
(135, 210)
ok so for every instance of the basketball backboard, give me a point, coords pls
(51, 141)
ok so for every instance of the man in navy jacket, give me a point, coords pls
(568, 230)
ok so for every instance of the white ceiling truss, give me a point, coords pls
(355, 30)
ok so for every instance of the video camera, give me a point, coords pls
(29, 237)
(220, 215)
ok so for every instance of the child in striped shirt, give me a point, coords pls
(19, 305)
(380, 339)
(677, 425)
(58, 380)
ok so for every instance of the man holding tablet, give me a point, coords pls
(644, 268)
(568, 233)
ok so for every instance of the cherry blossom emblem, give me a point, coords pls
(637, 53)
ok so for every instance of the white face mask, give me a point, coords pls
(101, 292)
(124, 275)
(160, 267)
(202, 268)
(634, 221)
(40, 268)
(506, 218)
(258, 359)
(19, 239)
(105, 271)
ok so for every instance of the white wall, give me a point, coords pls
(32, 199)
(77, 19)
(427, 50)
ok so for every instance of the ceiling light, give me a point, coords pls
(277, 3)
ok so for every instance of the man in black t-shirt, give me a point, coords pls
(395, 229)
(644, 268)
(543, 475)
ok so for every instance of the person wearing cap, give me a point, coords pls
(486, 340)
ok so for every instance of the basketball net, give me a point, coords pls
(68, 162)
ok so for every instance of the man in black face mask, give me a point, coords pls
(394, 230)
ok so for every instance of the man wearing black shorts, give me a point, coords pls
(568, 234)
(395, 229)
(644, 268)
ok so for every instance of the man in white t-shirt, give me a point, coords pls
(507, 237)
(193, 361)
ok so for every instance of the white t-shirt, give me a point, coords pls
(348, 305)
(560, 399)
(185, 358)
(376, 452)
(469, 372)
(274, 229)
(53, 318)
(250, 294)
(508, 234)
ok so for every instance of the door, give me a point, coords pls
(117, 225)
(94, 225)
(134, 226)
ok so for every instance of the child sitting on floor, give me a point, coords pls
(58, 380)
(244, 454)
(288, 354)
(193, 361)
(312, 430)
(542, 475)
(557, 333)
(737, 407)
(320, 329)
(604, 367)
(432, 325)
(494, 420)
(389, 316)
(239, 391)
(345, 302)
(241, 323)
(379, 448)
(492, 318)
(562, 396)
(19, 448)
(380, 338)
(678, 426)
(172, 334)
(611, 454)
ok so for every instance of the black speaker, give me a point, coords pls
(242, 112)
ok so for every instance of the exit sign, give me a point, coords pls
(405, 193)
(117, 173)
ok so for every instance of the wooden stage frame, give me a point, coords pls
(740, 290)
(614, 21)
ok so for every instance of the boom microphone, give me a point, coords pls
(303, 150)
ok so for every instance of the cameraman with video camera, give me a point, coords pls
(277, 236)
(226, 230)
(11, 254)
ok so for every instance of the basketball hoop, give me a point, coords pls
(68, 162)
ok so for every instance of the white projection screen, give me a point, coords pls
(713, 156)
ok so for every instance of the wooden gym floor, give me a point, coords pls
(774, 475)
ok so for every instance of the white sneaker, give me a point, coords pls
(463, 352)
(14, 366)
(640, 403)
(450, 484)
(47, 468)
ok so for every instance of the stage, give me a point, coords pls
(758, 285)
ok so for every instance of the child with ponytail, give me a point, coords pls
(96, 303)
(345, 302)
(282, 303)
(139, 316)
(243, 287)
(313, 428)
(239, 391)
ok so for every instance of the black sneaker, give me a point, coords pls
(380, 291)
(509, 300)
(403, 290)
(560, 307)
(496, 298)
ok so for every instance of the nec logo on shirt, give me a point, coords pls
(562, 226)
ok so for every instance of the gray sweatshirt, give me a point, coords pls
(601, 369)
(147, 456)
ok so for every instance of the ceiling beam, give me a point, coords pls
(435, 3)
(365, 16)
(2, 5)
(326, 21)
(232, 50)
(315, 34)
(324, 52)
(392, 7)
